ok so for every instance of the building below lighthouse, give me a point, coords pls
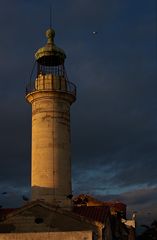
(52, 212)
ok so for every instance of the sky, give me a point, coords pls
(113, 121)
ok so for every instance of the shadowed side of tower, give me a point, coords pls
(51, 96)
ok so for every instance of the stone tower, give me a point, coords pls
(51, 95)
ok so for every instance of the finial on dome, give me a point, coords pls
(50, 34)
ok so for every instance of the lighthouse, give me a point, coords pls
(51, 96)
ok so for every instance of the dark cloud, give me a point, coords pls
(114, 130)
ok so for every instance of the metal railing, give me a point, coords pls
(59, 85)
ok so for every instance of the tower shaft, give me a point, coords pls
(51, 96)
(51, 160)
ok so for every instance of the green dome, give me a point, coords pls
(50, 54)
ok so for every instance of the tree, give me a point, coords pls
(150, 232)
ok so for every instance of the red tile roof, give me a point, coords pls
(118, 206)
(94, 213)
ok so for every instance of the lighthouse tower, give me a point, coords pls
(51, 95)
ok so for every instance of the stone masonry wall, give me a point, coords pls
(83, 235)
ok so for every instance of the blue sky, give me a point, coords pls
(113, 122)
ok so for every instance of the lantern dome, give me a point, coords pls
(50, 54)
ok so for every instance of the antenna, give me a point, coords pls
(50, 16)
